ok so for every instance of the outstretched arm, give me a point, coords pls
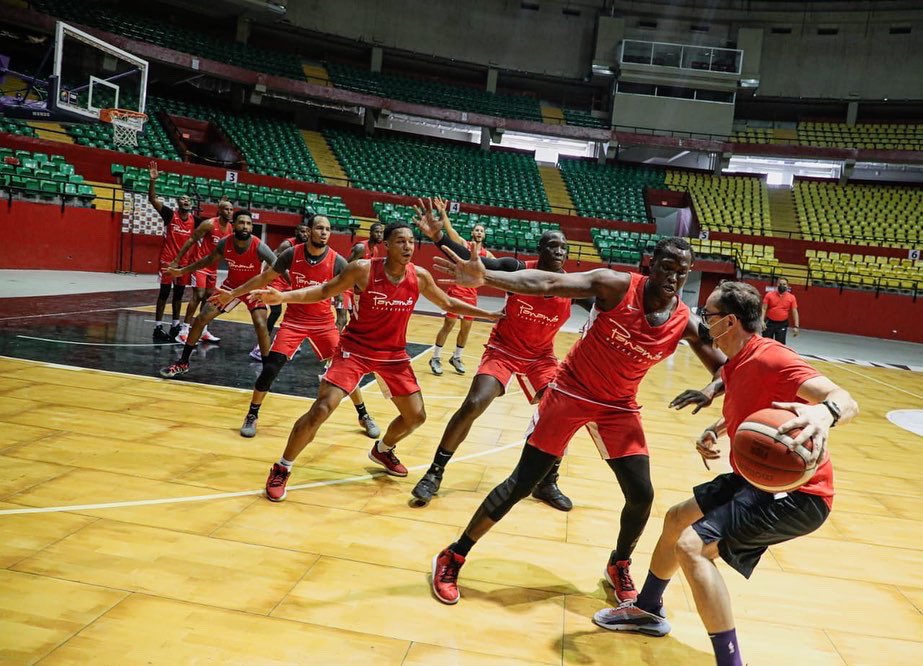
(156, 202)
(713, 359)
(355, 274)
(440, 299)
(197, 235)
(201, 263)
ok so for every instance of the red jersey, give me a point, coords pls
(241, 265)
(531, 322)
(470, 292)
(206, 245)
(175, 234)
(617, 348)
(378, 251)
(305, 274)
(378, 327)
(280, 282)
(779, 306)
(762, 372)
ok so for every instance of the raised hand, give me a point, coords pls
(470, 273)
(153, 170)
(426, 222)
(440, 205)
(269, 296)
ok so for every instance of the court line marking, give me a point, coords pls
(845, 366)
(75, 312)
(241, 493)
(102, 344)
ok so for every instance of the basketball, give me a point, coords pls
(767, 459)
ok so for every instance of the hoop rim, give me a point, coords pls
(108, 115)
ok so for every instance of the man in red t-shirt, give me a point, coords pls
(727, 517)
(778, 305)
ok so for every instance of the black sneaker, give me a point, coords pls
(547, 491)
(174, 331)
(160, 335)
(427, 486)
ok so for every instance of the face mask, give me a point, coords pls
(782, 288)
(241, 235)
(705, 332)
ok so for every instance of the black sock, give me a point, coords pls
(442, 457)
(254, 410)
(187, 352)
(462, 546)
(360, 409)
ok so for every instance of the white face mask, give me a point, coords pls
(705, 331)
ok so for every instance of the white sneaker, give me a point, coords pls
(208, 336)
(183, 334)
(255, 353)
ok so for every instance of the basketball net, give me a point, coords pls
(126, 125)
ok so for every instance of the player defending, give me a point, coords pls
(244, 254)
(727, 517)
(307, 263)
(466, 294)
(521, 345)
(204, 238)
(368, 249)
(635, 323)
(177, 228)
(375, 340)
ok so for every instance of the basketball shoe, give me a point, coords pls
(435, 365)
(275, 484)
(174, 370)
(446, 566)
(547, 491)
(619, 577)
(255, 353)
(456, 363)
(428, 486)
(368, 424)
(388, 460)
(160, 335)
(183, 334)
(628, 617)
(248, 429)
(208, 336)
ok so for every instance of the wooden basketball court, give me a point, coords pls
(159, 548)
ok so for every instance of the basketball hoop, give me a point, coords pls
(126, 125)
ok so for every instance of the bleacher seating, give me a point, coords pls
(15, 126)
(623, 247)
(106, 16)
(153, 141)
(261, 197)
(608, 191)
(584, 119)
(41, 175)
(418, 166)
(750, 258)
(892, 136)
(433, 93)
(860, 214)
(737, 204)
(500, 233)
(753, 135)
(865, 271)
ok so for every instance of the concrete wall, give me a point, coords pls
(485, 32)
(673, 114)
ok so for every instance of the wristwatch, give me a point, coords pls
(834, 410)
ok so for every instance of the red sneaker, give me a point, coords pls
(619, 577)
(174, 370)
(275, 484)
(446, 566)
(387, 460)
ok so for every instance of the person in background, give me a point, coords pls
(778, 307)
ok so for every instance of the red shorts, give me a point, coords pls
(469, 296)
(252, 302)
(205, 279)
(322, 341)
(163, 278)
(616, 432)
(533, 375)
(395, 378)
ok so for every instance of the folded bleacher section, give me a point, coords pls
(106, 16)
(737, 204)
(433, 93)
(613, 192)
(865, 271)
(261, 197)
(43, 176)
(860, 214)
(413, 165)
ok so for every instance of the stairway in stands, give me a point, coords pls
(326, 161)
(109, 196)
(556, 190)
(782, 214)
(50, 131)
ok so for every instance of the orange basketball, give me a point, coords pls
(769, 460)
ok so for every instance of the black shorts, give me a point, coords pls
(745, 520)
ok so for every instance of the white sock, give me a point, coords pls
(458, 352)
(176, 322)
(437, 352)
(185, 327)
(380, 445)
(287, 464)
(158, 324)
